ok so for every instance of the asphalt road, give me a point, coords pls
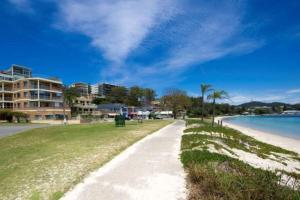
(150, 169)
(6, 130)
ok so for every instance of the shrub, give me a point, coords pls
(213, 177)
(6, 115)
(19, 116)
(9, 115)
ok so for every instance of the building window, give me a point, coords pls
(33, 104)
(48, 117)
(38, 117)
(25, 84)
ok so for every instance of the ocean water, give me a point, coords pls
(288, 126)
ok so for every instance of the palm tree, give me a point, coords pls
(69, 96)
(220, 94)
(204, 89)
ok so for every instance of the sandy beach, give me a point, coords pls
(277, 140)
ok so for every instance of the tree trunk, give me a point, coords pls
(174, 114)
(213, 117)
(64, 109)
(202, 107)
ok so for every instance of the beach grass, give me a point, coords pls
(44, 163)
(213, 175)
(235, 139)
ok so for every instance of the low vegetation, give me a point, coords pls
(9, 116)
(216, 170)
(46, 162)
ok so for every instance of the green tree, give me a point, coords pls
(215, 96)
(98, 101)
(176, 100)
(149, 95)
(69, 97)
(204, 89)
(6, 115)
(118, 95)
(89, 89)
(135, 96)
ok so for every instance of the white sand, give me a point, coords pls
(276, 140)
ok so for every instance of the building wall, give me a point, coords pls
(6, 95)
(103, 89)
(40, 98)
(82, 88)
(84, 105)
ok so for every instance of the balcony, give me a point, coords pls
(6, 89)
(33, 97)
(33, 87)
(8, 98)
(45, 97)
(87, 106)
(44, 87)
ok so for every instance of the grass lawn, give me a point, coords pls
(46, 162)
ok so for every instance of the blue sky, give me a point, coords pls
(249, 48)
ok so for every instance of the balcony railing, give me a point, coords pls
(45, 97)
(44, 87)
(33, 97)
(56, 88)
(42, 107)
(9, 89)
(8, 98)
(91, 106)
(57, 98)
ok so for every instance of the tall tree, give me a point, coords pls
(176, 100)
(135, 96)
(204, 89)
(221, 94)
(118, 95)
(149, 95)
(69, 97)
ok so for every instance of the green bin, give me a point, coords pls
(120, 121)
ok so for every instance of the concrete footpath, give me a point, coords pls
(150, 169)
(6, 130)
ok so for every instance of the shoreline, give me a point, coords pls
(267, 137)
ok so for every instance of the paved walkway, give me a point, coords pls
(6, 130)
(150, 169)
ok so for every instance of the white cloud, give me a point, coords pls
(117, 27)
(294, 91)
(214, 33)
(197, 34)
(189, 32)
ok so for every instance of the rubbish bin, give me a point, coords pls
(119, 121)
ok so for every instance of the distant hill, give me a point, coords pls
(297, 106)
(260, 104)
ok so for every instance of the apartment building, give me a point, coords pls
(82, 88)
(40, 98)
(83, 105)
(102, 89)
